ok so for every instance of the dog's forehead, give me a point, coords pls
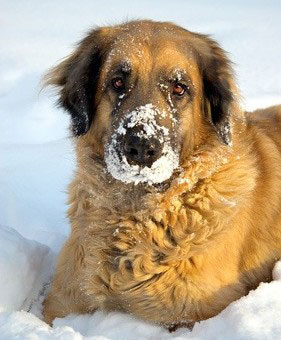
(149, 52)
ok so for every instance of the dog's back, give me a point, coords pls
(268, 120)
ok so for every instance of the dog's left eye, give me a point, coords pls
(178, 89)
(118, 84)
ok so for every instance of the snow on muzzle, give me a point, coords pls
(140, 150)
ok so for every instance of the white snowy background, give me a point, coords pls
(37, 161)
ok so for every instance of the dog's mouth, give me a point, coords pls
(141, 149)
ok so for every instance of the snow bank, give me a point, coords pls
(25, 266)
(26, 326)
(255, 316)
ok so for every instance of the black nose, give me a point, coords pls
(141, 150)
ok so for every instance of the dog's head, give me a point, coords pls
(145, 95)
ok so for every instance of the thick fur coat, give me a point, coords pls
(182, 250)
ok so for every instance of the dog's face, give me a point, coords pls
(147, 94)
(144, 95)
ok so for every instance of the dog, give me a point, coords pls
(175, 206)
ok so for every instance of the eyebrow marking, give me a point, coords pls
(126, 67)
(179, 74)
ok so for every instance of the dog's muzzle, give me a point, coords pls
(140, 150)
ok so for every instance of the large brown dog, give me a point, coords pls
(176, 202)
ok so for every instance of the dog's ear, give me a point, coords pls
(218, 85)
(76, 78)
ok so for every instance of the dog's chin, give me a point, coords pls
(158, 173)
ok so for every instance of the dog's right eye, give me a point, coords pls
(118, 84)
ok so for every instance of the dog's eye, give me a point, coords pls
(118, 84)
(179, 89)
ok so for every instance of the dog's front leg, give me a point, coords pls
(66, 296)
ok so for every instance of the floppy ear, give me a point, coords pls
(218, 84)
(76, 78)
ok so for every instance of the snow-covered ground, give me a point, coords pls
(36, 158)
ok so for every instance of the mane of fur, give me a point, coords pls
(135, 236)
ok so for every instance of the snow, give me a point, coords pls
(24, 269)
(37, 163)
(144, 117)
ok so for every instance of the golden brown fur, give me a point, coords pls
(180, 252)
